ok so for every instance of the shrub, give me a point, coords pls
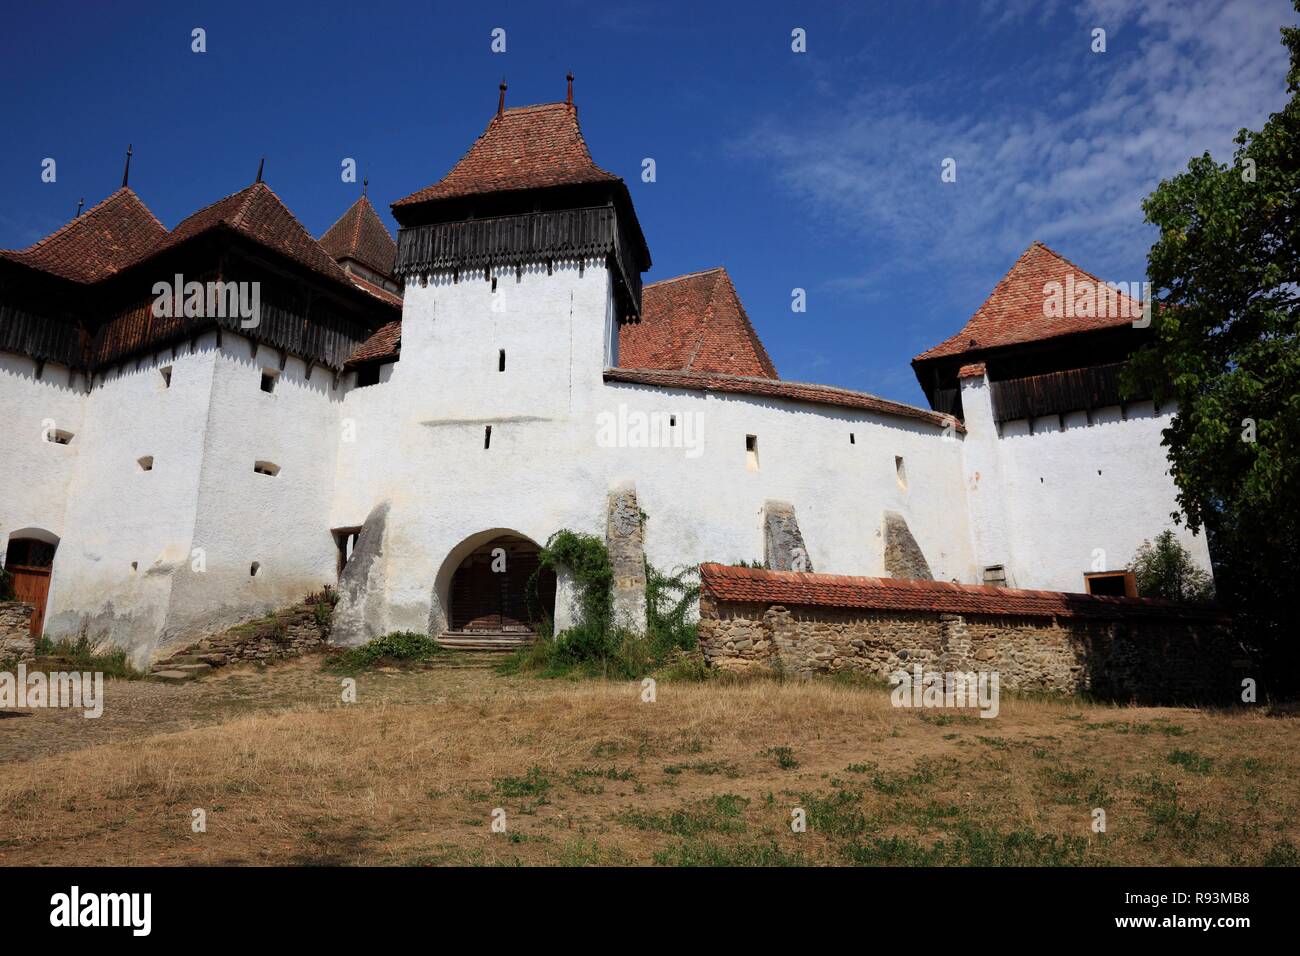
(83, 653)
(7, 586)
(398, 648)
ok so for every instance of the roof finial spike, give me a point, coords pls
(365, 186)
(569, 97)
(260, 167)
(80, 203)
(126, 171)
(501, 101)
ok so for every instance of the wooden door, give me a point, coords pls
(32, 586)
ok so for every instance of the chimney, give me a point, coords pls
(569, 98)
(501, 102)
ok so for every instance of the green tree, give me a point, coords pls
(1226, 270)
(1165, 569)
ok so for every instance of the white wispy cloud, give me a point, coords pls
(1067, 159)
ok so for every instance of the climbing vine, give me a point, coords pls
(596, 643)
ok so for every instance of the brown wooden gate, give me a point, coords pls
(32, 586)
(485, 597)
(29, 561)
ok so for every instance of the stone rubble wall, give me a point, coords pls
(285, 634)
(15, 638)
(1151, 661)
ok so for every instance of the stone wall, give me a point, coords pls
(282, 635)
(15, 639)
(1145, 660)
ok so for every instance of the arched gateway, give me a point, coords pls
(499, 587)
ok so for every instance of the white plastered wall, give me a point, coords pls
(1062, 498)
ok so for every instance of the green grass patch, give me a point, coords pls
(719, 814)
(83, 654)
(1191, 761)
(399, 649)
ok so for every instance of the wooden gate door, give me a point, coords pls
(32, 586)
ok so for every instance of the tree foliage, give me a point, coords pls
(1226, 271)
(1165, 569)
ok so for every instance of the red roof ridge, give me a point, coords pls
(504, 158)
(961, 341)
(367, 239)
(777, 388)
(688, 275)
(124, 240)
(301, 246)
(86, 216)
(747, 327)
(803, 588)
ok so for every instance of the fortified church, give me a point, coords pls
(395, 415)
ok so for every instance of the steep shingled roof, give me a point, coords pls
(529, 147)
(385, 345)
(775, 388)
(102, 241)
(694, 323)
(360, 234)
(257, 213)
(758, 586)
(1013, 312)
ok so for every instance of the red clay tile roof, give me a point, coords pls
(694, 323)
(529, 147)
(361, 235)
(105, 239)
(258, 214)
(757, 586)
(384, 346)
(775, 388)
(1013, 312)
(972, 370)
(379, 292)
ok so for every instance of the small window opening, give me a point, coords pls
(751, 452)
(852, 439)
(345, 540)
(368, 375)
(494, 283)
(501, 360)
(135, 566)
(268, 379)
(57, 436)
(145, 463)
(995, 574)
(166, 373)
(1113, 583)
(254, 568)
(900, 472)
(487, 437)
(672, 421)
(266, 468)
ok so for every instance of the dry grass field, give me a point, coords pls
(586, 773)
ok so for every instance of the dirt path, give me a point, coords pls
(141, 708)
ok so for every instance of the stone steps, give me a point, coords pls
(486, 642)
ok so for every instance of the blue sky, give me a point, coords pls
(818, 170)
